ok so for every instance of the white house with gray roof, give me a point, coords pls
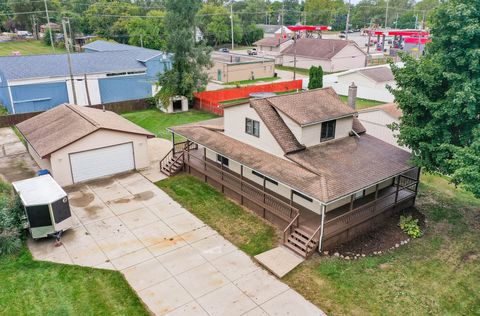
(106, 72)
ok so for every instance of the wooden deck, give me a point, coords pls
(340, 225)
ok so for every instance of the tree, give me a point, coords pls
(324, 12)
(214, 21)
(439, 95)
(46, 37)
(147, 32)
(315, 77)
(188, 72)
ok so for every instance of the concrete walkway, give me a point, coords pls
(15, 162)
(176, 263)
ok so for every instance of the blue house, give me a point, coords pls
(106, 72)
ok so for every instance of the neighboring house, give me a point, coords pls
(198, 35)
(110, 73)
(77, 143)
(371, 82)
(54, 26)
(268, 29)
(302, 161)
(378, 119)
(229, 67)
(271, 47)
(332, 54)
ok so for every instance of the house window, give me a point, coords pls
(252, 127)
(263, 177)
(222, 160)
(302, 196)
(328, 130)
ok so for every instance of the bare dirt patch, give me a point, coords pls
(382, 238)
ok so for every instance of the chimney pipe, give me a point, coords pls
(352, 95)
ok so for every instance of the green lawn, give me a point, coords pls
(246, 82)
(299, 71)
(362, 103)
(437, 274)
(27, 48)
(30, 287)
(244, 229)
(157, 121)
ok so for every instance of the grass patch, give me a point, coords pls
(300, 71)
(157, 121)
(32, 287)
(362, 103)
(246, 82)
(244, 229)
(435, 274)
(27, 48)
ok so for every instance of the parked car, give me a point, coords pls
(224, 50)
(252, 51)
(341, 35)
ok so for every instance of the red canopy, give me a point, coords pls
(309, 28)
(416, 40)
(402, 33)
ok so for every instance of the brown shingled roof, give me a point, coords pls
(378, 74)
(317, 48)
(325, 172)
(275, 124)
(311, 106)
(65, 124)
(391, 109)
(271, 41)
(358, 127)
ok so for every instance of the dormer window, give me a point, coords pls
(252, 127)
(328, 130)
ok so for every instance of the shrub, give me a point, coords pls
(315, 75)
(410, 226)
(11, 220)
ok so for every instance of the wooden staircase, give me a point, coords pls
(172, 164)
(301, 242)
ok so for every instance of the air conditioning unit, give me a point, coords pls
(46, 206)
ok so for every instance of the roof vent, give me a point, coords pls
(262, 95)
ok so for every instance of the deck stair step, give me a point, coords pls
(298, 241)
(172, 166)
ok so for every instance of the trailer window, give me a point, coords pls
(39, 216)
(61, 210)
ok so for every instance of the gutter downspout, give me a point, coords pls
(320, 241)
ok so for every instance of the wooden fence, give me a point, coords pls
(117, 107)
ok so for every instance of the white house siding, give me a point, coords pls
(350, 57)
(376, 123)
(60, 160)
(311, 133)
(306, 63)
(234, 122)
(366, 88)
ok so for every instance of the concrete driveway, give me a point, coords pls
(176, 263)
(15, 162)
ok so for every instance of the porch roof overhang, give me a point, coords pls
(326, 172)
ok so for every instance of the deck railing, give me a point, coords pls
(227, 179)
(404, 190)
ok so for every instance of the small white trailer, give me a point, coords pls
(46, 206)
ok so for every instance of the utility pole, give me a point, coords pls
(69, 58)
(49, 26)
(348, 20)
(231, 23)
(295, 56)
(386, 16)
(34, 28)
(141, 38)
(283, 10)
(423, 20)
(71, 37)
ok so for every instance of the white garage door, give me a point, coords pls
(102, 162)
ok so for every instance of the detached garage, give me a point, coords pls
(78, 143)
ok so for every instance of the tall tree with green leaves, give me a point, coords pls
(439, 95)
(190, 61)
(315, 77)
(147, 32)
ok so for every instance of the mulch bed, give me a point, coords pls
(380, 240)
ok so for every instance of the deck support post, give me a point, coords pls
(351, 202)
(241, 184)
(264, 197)
(376, 198)
(173, 143)
(205, 162)
(221, 175)
(416, 185)
(396, 192)
(291, 202)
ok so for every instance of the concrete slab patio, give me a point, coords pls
(15, 162)
(279, 260)
(176, 263)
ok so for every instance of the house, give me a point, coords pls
(332, 54)
(272, 47)
(269, 29)
(230, 67)
(53, 26)
(302, 161)
(111, 72)
(78, 143)
(378, 119)
(371, 82)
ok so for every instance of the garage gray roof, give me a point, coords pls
(142, 54)
(65, 124)
(43, 66)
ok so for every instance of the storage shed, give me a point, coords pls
(77, 143)
(46, 206)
